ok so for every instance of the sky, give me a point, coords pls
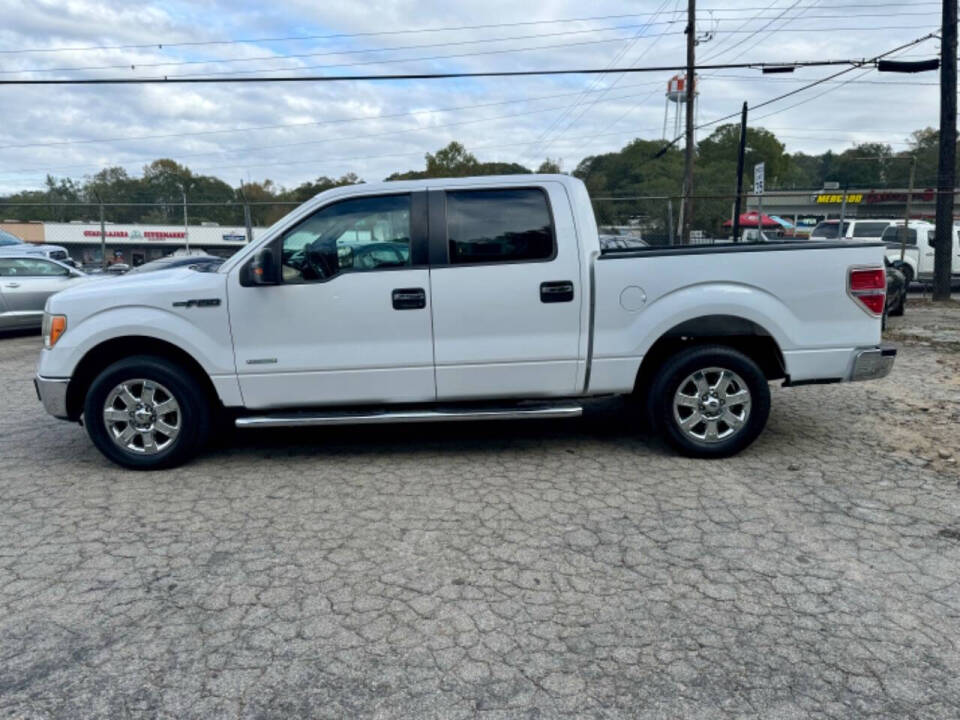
(291, 133)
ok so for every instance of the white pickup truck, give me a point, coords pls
(457, 299)
(914, 254)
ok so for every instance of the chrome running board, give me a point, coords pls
(375, 417)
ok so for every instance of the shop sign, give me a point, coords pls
(837, 198)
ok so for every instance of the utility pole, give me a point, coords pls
(247, 220)
(186, 230)
(103, 234)
(946, 173)
(691, 94)
(740, 156)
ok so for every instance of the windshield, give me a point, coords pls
(828, 229)
(8, 239)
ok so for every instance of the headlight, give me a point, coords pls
(53, 327)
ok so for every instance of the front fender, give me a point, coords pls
(204, 335)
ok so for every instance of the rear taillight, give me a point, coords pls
(868, 287)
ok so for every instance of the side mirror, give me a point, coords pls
(263, 269)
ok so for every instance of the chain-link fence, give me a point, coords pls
(659, 220)
(97, 234)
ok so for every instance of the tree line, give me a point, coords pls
(640, 168)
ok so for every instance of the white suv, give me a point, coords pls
(864, 230)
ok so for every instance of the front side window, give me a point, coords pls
(892, 235)
(485, 226)
(357, 235)
(28, 267)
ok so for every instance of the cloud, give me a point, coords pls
(376, 128)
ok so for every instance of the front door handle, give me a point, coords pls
(556, 292)
(409, 299)
(13, 285)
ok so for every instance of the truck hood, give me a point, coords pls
(30, 249)
(163, 289)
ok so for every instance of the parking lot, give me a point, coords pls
(503, 570)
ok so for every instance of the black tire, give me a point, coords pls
(907, 274)
(897, 310)
(193, 414)
(672, 377)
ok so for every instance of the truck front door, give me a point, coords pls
(507, 292)
(349, 321)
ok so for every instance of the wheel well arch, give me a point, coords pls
(739, 333)
(108, 352)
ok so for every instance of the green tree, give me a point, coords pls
(550, 166)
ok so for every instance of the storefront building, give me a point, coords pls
(131, 244)
(805, 208)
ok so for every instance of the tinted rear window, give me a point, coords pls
(828, 230)
(869, 229)
(485, 226)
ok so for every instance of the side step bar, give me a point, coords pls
(376, 417)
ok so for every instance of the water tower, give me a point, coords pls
(677, 96)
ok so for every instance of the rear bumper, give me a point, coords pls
(873, 363)
(52, 392)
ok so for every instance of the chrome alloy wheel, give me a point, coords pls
(711, 405)
(142, 416)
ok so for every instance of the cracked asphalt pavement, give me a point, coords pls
(515, 570)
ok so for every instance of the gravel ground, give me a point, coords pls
(528, 570)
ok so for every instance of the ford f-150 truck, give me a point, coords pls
(457, 299)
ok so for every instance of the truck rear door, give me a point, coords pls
(506, 287)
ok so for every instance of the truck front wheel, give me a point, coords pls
(147, 413)
(709, 401)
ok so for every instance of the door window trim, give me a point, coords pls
(439, 240)
(418, 237)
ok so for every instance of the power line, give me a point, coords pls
(316, 123)
(338, 139)
(871, 61)
(754, 32)
(541, 139)
(594, 83)
(427, 76)
(294, 56)
(335, 36)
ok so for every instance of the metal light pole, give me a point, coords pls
(186, 230)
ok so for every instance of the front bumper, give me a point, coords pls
(52, 392)
(873, 363)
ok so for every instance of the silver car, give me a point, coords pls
(12, 245)
(26, 282)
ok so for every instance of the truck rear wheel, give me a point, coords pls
(147, 413)
(709, 401)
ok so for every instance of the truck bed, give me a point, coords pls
(794, 292)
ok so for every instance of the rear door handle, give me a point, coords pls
(409, 299)
(556, 291)
(13, 285)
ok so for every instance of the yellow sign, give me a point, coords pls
(837, 198)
